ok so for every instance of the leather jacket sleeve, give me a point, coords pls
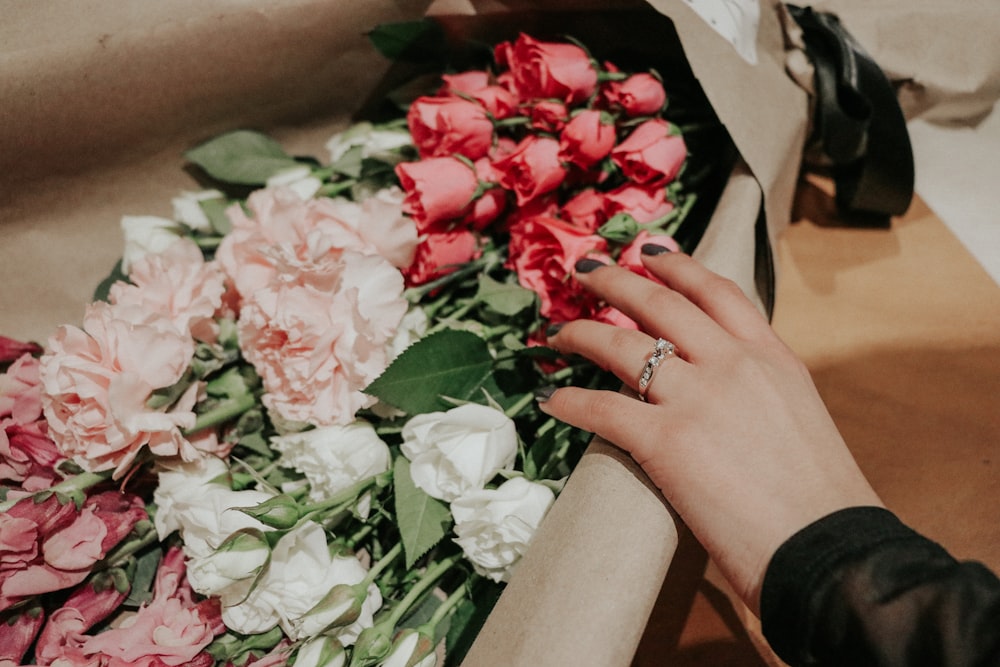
(858, 587)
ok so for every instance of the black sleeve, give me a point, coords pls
(860, 588)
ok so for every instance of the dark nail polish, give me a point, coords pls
(586, 265)
(543, 394)
(554, 329)
(653, 249)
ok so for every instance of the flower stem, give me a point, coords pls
(73, 487)
(383, 563)
(431, 576)
(521, 403)
(226, 410)
(457, 596)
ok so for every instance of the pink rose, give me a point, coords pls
(547, 69)
(587, 139)
(178, 283)
(638, 95)
(497, 100)
(437, 189)
(441, 253)
(443, 126)
(586, 210)
(651, 154)
(549, 115)
(543, 251)
(170, 630)
(533, 168)
(318, 333)
(279, 217)
(631, 255)
(97, 381)
(644, 203)
(11, 349)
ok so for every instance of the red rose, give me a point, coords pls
(490, 204)
(437, 189)
(543, 251)
(441, 253)
(638, 95)
(497, 100)
(549, 70)
(586, 210)
(533, 168)
(643, 203)
(587, 138)
(446, 125)
(549, 116)
(631, 255)
(651, 154)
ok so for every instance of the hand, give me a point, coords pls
(733, 431)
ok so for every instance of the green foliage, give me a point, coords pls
(504, 298)
(422, 520)
(104, 288)
(414, 41)
(241, 157)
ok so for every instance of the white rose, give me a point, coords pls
(495, 526)
(334, 457)
(299, 179)
(458, 451)
(187, 208)
(300, 574)
(200, 509)
(145, 234)
(382, 143)
(408, 647)
(321, 652)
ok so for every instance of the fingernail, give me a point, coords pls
(554, 329)
(653, 249)
(542, 394)
(586, 265)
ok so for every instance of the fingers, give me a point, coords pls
(622, 351)
(720, 298)
(660, 311)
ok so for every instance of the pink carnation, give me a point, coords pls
(279, 217)
(97, 380)
(178, 283)
(27, 453)
(318, 335)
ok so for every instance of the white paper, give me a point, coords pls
(736, 20)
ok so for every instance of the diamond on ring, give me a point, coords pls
(661, 350)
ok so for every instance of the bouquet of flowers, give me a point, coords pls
(298, 423)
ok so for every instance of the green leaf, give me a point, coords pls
(468, 619)
(417, 41)
(448, 363)
(142, 581)
(504, 298)
(104, 288)
(215, 211)
(242, 157)
(422, 520)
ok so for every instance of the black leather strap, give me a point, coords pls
(859, 127)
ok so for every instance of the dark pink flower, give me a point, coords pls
(18, 633)
(587, 139)
(443, 126)
(533, 169)
(651, 154)
(11, 349)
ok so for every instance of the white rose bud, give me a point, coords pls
(495, 526)
(187, 208)
(321, 652)
(381, 143)
(144, 235)
(460, 450)
(299, 179)
(411, 649)
(239, 558)
(334, 457)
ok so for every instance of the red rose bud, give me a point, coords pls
(497, 100)
(585, 210)
(441, 253)
(549, 115)
(638, 95)
(644, 203)
(443, 126)
(652, 153)
(533, 169)
(437, 190)
(18, 633)
(549, 70)
(631, 255)
(11, 349)
(587, 138)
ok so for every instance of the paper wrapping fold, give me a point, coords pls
(93, 127)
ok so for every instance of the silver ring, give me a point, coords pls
(662, 350)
